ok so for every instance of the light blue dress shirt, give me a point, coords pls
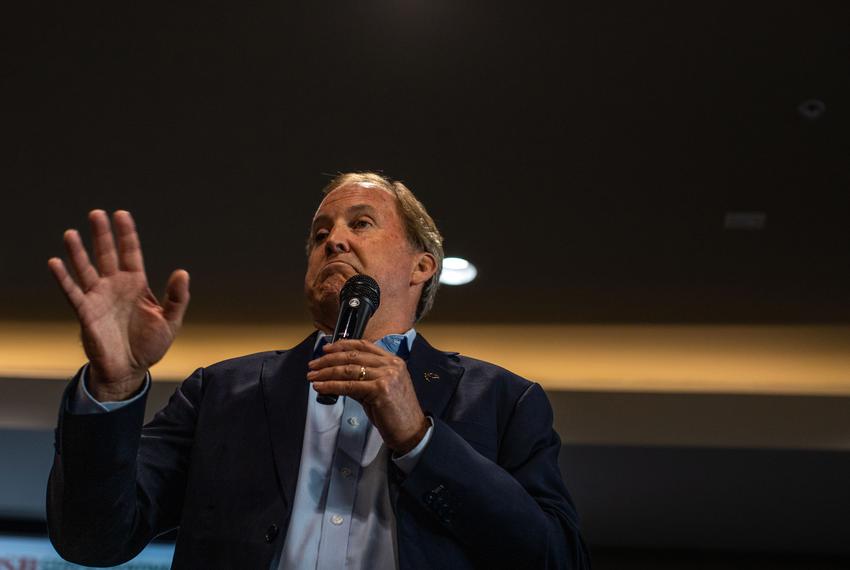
(342, 513)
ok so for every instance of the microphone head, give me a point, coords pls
(361, 287)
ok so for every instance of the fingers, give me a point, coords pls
(129, 248)
(69, 286)
(80, 260)
(176, 298)
(351, 357)
(104, 246)
(344, 372)
(343, 364)
(361, 391)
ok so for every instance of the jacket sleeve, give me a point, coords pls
(514, 513)
(113, 487)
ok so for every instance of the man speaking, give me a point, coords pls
(426, 460)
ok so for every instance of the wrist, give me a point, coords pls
(404, 447)
(104, 390)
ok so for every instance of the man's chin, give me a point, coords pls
(324, 299)
(332, 285)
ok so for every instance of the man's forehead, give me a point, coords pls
(362, 192)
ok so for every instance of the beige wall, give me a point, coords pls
(798, 360)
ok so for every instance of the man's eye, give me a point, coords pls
(360, 224)
(320, 235)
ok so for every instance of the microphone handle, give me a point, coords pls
(351, 324)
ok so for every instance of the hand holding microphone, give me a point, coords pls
(377, 379)
(359, 298)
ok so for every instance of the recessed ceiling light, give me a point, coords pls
(457, 271)
(812, 108)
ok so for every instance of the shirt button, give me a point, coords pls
(353, 422)
(346, 472)
(336, 519)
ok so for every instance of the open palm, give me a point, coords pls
(125, 330)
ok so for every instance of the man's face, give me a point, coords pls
(357, 229)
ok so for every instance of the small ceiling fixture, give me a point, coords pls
(457, 271)
(812, 108)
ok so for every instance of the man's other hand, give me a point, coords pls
(124, 329)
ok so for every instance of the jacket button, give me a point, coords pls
(271, 533)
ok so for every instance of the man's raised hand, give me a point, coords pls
(124, 329)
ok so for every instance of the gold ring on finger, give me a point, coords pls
(362, 375)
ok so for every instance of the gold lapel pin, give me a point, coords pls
(431, 376)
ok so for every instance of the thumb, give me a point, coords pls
(176, 298)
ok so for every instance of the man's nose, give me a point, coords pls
(337, 242)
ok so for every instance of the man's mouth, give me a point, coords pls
(339, 263)
(337, 267)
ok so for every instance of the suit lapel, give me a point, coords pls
(435, 376)
(284, 382)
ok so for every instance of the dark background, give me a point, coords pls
(582, 155)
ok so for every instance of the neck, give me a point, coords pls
(377, 328)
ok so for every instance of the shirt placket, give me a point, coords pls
(342, 490)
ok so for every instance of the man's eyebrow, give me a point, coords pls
(320, 219)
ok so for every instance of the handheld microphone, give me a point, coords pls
(359, 298)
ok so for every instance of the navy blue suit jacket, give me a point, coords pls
(220, 462)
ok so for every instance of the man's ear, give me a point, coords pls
(425, 265)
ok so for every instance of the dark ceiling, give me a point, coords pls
(582, 154)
